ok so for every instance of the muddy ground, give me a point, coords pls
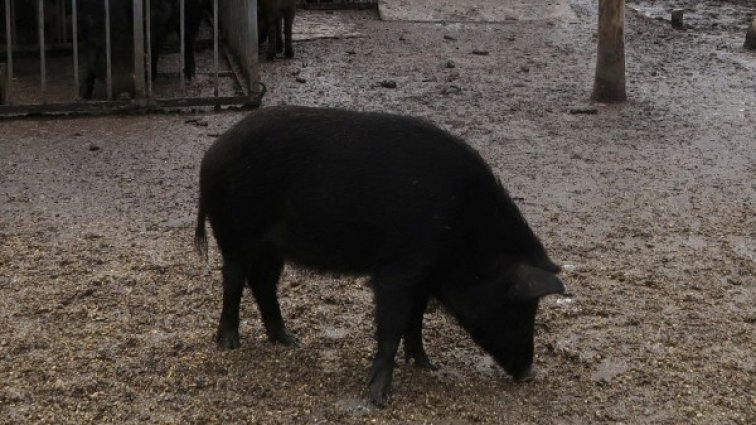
(107, 315)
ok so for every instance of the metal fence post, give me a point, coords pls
(13, 20)
(75, 40)
(148, 43)
(8, 83)
(109, 80)
(139, 48)
(182, 37)
(42, 64)
(253, 76)
(215, 47)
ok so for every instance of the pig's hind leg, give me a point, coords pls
(413, 336)
(273, 30)
(263, 279)
(261, 274)
(234, 274)
(193, 19)
(288, 24)
(279, 35)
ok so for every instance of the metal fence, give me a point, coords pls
(337, 4)
(33, 61)
(239, 19)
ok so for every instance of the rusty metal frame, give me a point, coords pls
(250, 87)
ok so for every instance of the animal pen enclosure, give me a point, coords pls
(51, 47)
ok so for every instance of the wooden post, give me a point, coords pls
(609, 85)
(750, 41)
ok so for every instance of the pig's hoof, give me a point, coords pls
(270, 56)
(284, 338)
(379, 387)
(424, 363)
(227, 340)
(289, 53)
(378, 395)
(420, 361)
(527, 375)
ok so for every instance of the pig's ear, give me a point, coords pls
(530, 283)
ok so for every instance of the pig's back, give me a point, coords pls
(350, 188)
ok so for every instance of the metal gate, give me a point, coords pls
(43, 45)
(337, 4)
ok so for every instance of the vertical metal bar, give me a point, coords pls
(109, 80)
(215, 46)
(182, 25)
(253, 77)
(9, 52)
(75, 40)
(148, 43)
(42, 64)
(13, 22)
(138, 49)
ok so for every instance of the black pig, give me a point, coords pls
(390, 196)
(164, 19)
(270, 14)
(92, 33)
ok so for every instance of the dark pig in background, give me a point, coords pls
(93, 47)
(388, 196)
(273, 17)
(26, 21)
(164, 19)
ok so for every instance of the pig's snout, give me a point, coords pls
(526, 375)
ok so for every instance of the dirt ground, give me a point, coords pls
(108, 316)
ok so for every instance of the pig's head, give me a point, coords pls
(500, 312)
